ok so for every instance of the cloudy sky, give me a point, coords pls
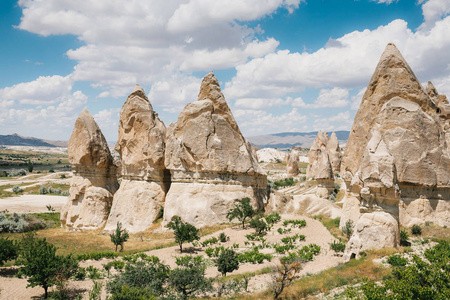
(283, 65)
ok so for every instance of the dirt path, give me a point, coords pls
(32, 203)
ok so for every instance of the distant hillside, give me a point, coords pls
(286, 140)
(17, 140)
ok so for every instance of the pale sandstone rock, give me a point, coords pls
(292, 158)
(319, 166)
(145, 180)
(334, 153)
(270, 155)
(95, 179)
(210, 162)
(397, 158)
(375, 230)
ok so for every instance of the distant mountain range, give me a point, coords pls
(286, 140)
(17, 140)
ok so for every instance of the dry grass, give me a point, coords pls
(434, 232)
(97, 241)
(332, 226)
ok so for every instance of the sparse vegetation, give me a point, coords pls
(184, 232)
(241, 211)
(416, 229)
(119, 237)
(285, 274)
(347, 230)
(337, 246)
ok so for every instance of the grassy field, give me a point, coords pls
(15, 159)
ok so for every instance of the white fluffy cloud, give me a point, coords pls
(146, 42)
(43, 90)
(348, 66)
(336, 97)
(434, 10)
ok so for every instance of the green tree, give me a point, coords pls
(119, 237)
(259, 225)
(227, 261)
(8, 250)
(184, 232)
(41, 264)
(144, 277)
(241, 211)
(30, 166)
(188, 279)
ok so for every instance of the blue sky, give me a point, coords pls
(283, 65)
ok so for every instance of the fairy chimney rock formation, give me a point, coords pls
(141, 146)
(210, 162)
(95, 179)
(334, 153)
(292, 159)
(396, 159)
(319, 166)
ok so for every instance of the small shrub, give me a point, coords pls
(81, 274)
(223, 238)
(17, 190)
(416, 229)
(43, 190)
(396, 260)
(15, 173)
(51, 171)
(253, 256)
(119, 237)
(62, 176)
(272, 218)
(294, 223)
(293, 239)
(95, 293)
(65, 193)
(337, 246)
(94, 273)
(404, 238)
(347, 230)
(8, 250)
(259, 225)
(283, 230)
(210, 241)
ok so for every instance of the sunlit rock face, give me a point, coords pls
(396, 160)
(141, 145)
(292, 159)
(210, 162)
(95, 180)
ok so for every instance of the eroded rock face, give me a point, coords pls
(334, 153)
(373, 231)
(145, 180)
(210, 162)
(319, 166)
(396, 159)
(95, 179)
(292, 158)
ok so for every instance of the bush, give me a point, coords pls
(283, 183)
(8, 250)
(97, 255)
(241, 211)
(347, 230)
(41, 264)
(43, 190)
(30, 166)
(259, 225)
(273, 218)
(404, 238)
(294, 223)
(62, 176)
(420, 279)
(227, 261)
(188, 279)
(396, 260)
(253, 256)
(16, 189)
(210, 241)
(51, 171)
(147, 276)
(283, 230)
(292, 239)
(184, 232)
(81, 274)
(416, 229)
(16, 223)
(285, 274)
(337, 246)
(223, 238)
(119, 237)
(65, 193)
(15, 173)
